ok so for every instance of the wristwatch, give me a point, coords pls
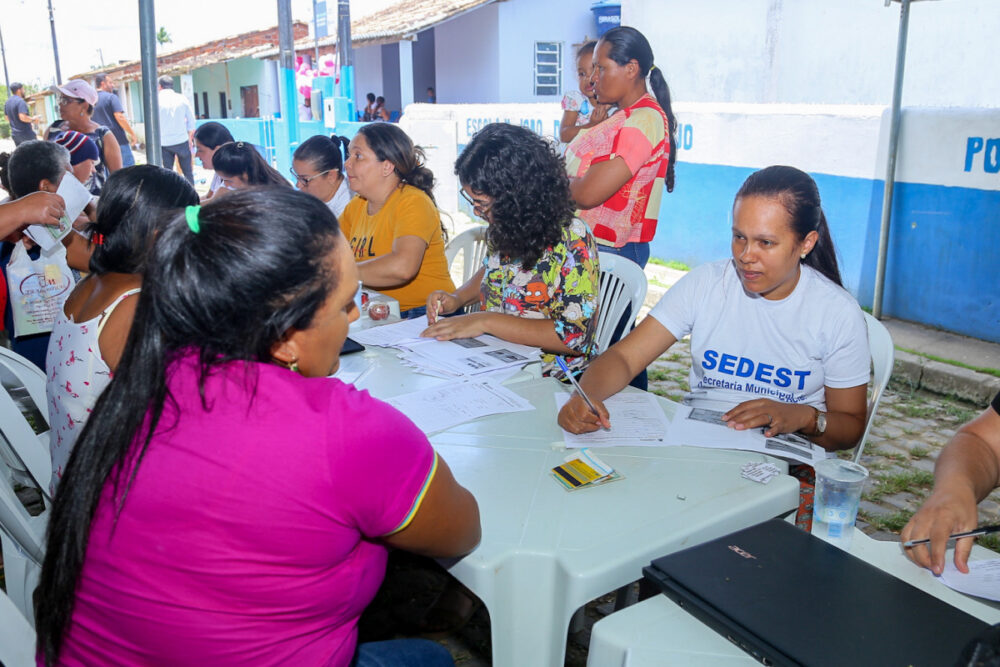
(820, 426)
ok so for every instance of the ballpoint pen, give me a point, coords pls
(985, 530)
(576, 385)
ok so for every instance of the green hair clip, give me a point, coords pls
(191, 214)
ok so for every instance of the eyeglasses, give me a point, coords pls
(482, 209)
(306, 180)
(67, 100)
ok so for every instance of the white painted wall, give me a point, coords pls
(822, 51)
(950, 147)
(467, 51)
(443, 130)
(524, 22)
(837, 139)
(367, 74)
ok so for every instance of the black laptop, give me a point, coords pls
(788, 598)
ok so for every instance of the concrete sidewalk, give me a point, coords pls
(917, 366)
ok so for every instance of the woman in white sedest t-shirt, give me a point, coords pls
(775, 338)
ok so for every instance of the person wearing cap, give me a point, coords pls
(109, 112)
(83, 154)
(16, 110)
(176, 128)
(76, 106)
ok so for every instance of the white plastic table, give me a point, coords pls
(546, 551)
(657, 632)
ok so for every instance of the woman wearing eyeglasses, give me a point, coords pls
(76, 106)
(539, 280)
(393, 225)
(318, 170)
(240, 166)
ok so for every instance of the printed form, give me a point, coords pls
(637, 419)
(983, 579)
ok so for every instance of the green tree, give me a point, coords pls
(4, 125)
(162, 36)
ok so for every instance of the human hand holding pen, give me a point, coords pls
(440, 303)
(950, 509)
(581, 413)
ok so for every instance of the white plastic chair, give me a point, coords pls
(883, 355)
(623, 284)
(24, 445)
(25, 461)
(472, 245)
(17, 637)
(22, 540)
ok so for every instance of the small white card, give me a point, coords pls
(759, 472)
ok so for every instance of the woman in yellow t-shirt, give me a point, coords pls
(393, 224)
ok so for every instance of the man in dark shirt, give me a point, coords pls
(109, 112)
(16, 111)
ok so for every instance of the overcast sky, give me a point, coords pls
(84, 26)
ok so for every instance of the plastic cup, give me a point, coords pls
(835, 503)
(378, 310)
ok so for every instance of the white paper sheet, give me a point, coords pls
(983, 579)
(701, 427)
(76, 198)
(444, 406)
(636, 420)
(354, 369)
(389, 335)
(450, 358)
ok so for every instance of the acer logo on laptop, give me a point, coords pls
(741, 552)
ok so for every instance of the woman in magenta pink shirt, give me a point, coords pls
(227, 503)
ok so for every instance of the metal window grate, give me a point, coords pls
(548, 67)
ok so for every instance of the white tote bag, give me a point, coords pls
(38, 288)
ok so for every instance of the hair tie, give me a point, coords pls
(240, 145)
(651, 68)
(97, 239)
(191, 215)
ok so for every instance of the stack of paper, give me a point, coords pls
(447, 359)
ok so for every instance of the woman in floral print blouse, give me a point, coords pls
(539, 281)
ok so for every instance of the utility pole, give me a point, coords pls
(3, 54)
(286, 70)
(55, 45)
(150, 101)
(345, 54)
(890, 162)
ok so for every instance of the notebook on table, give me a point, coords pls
(788, 598)
(350, 346)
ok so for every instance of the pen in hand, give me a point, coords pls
(972, 533)
(576, 385)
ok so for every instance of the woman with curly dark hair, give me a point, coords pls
(539, 281)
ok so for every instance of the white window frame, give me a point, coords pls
(556, 85)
